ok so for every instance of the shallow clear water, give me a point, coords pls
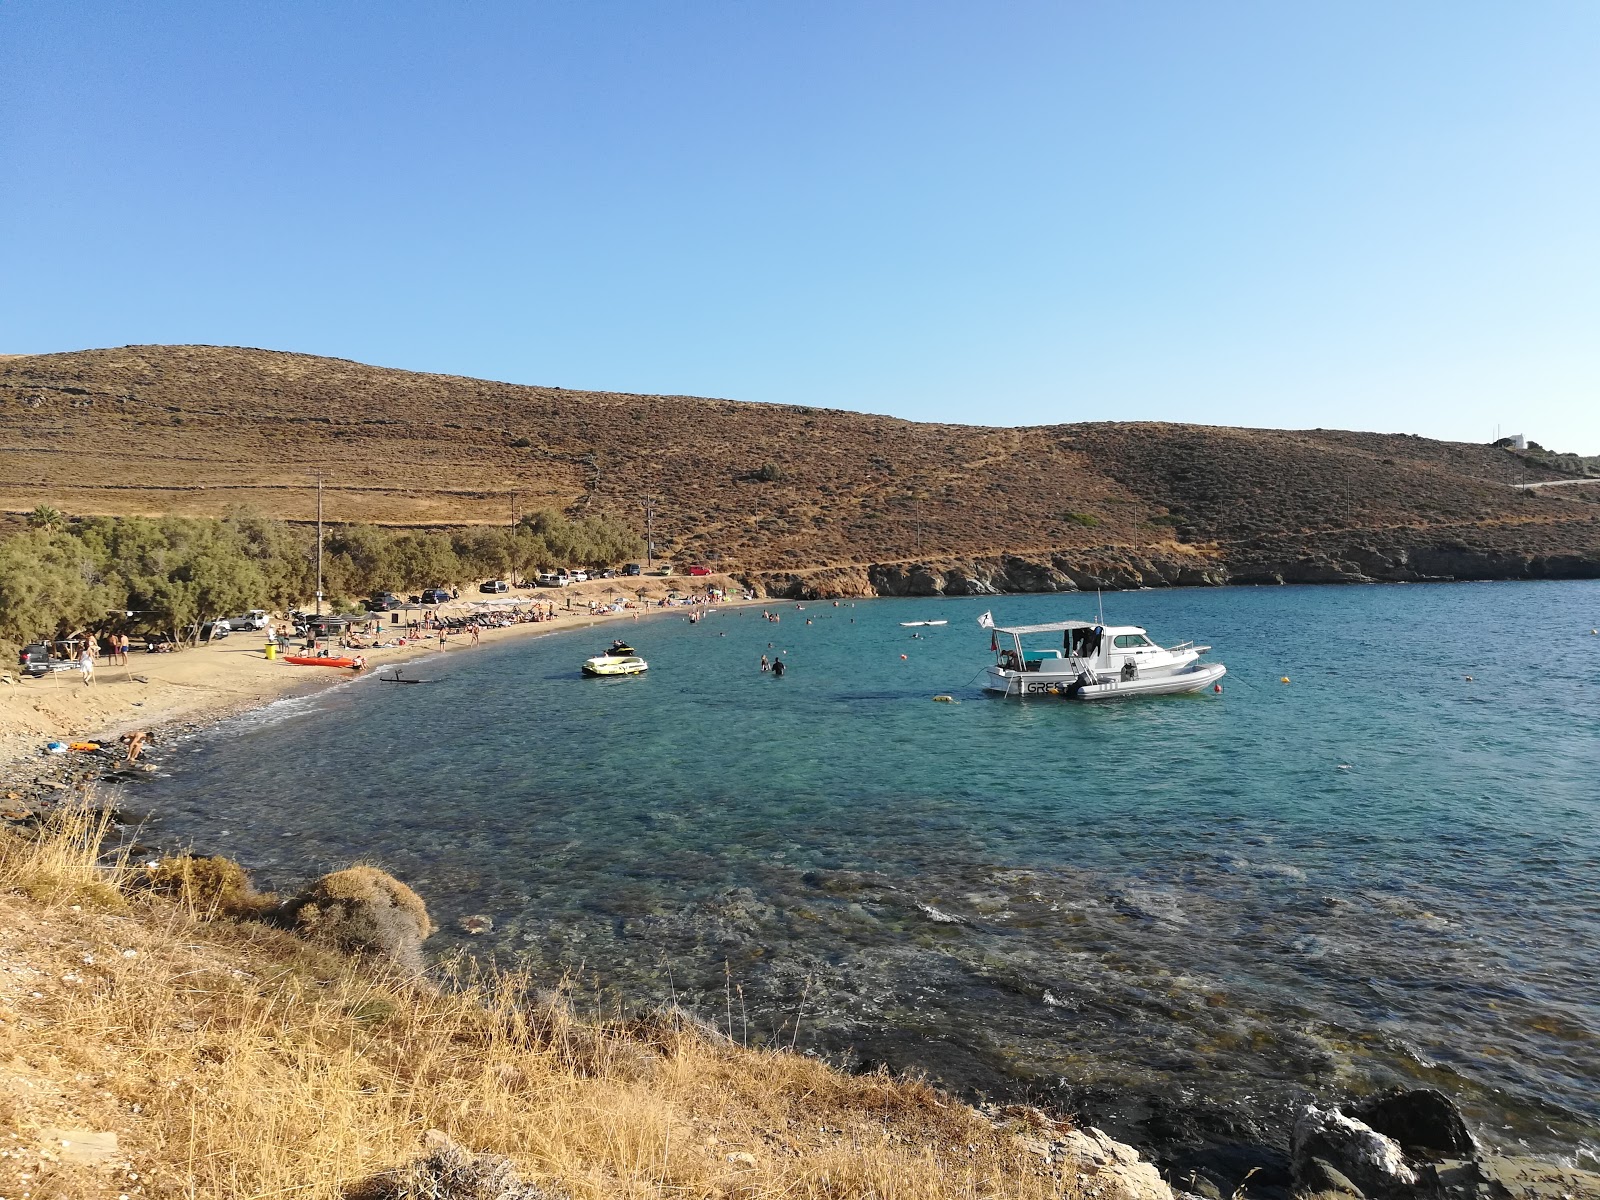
(1378, 872)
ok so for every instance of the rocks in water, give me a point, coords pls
(1531, 1179)
(1321, 1179)
(1414, 1144)
(1425, 1122)
(446, 1171)
(366, 911)
(476, 925)
(1367, 1160)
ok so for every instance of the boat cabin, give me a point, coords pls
(1091, 660)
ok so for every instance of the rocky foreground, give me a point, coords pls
(69, 927)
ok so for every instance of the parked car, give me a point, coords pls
(580, 577)
(436, 596)
(632, 569)
(37, 659)
(384, 602)
(697, 569)
(213, 631)
(608, 573)
(256, 618)
(494, 586)
(551, 579)
(325, 627)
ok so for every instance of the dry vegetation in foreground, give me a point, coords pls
(231, 1059)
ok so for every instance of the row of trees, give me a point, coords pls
(174, 573)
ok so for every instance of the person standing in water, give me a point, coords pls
(765, 665)
(778, 667)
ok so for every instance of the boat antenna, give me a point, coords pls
(1102, 605)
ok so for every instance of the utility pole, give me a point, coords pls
(649, 531)
(513, 508)
(319, 543)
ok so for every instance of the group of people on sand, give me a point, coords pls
(116, 650)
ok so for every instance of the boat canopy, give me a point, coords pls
(1053, 627)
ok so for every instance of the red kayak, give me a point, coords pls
(304, 660)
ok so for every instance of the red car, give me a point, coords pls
(699, 570)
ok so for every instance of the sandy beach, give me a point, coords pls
(210, 682)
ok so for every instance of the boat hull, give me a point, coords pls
(606, 665)
(1194, 678)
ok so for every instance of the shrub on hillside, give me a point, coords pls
(213, 885)
(365, 911)
(446, 1171)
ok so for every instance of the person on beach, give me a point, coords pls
(474, 629)
(86, 665)
(443, 634)
(135, 742)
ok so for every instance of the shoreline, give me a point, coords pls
(201, 687)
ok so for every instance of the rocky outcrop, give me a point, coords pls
(1342, 558)
(1109, 1170)
(1335, 1152)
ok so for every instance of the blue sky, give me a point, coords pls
(1368, 215)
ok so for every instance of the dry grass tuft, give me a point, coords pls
(209, 887)
(59, 863)
(365, 911)
(233, 1059)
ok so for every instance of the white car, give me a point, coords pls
(580, 577)
(256, 618)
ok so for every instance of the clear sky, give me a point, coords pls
(1377, 215)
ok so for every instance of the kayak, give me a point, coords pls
(305, 660)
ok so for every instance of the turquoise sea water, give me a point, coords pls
(1379, 872)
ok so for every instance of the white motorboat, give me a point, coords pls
(615, 664)
(1094, 662)
(912, 624)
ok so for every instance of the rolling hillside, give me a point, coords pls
(848, 501)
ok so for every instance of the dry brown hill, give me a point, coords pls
(197, 429)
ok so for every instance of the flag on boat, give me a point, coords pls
(986, 621)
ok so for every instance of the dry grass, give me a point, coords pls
(234, 1060)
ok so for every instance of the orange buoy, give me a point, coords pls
(902, 658)
(1217, 688)
(1285, 679)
